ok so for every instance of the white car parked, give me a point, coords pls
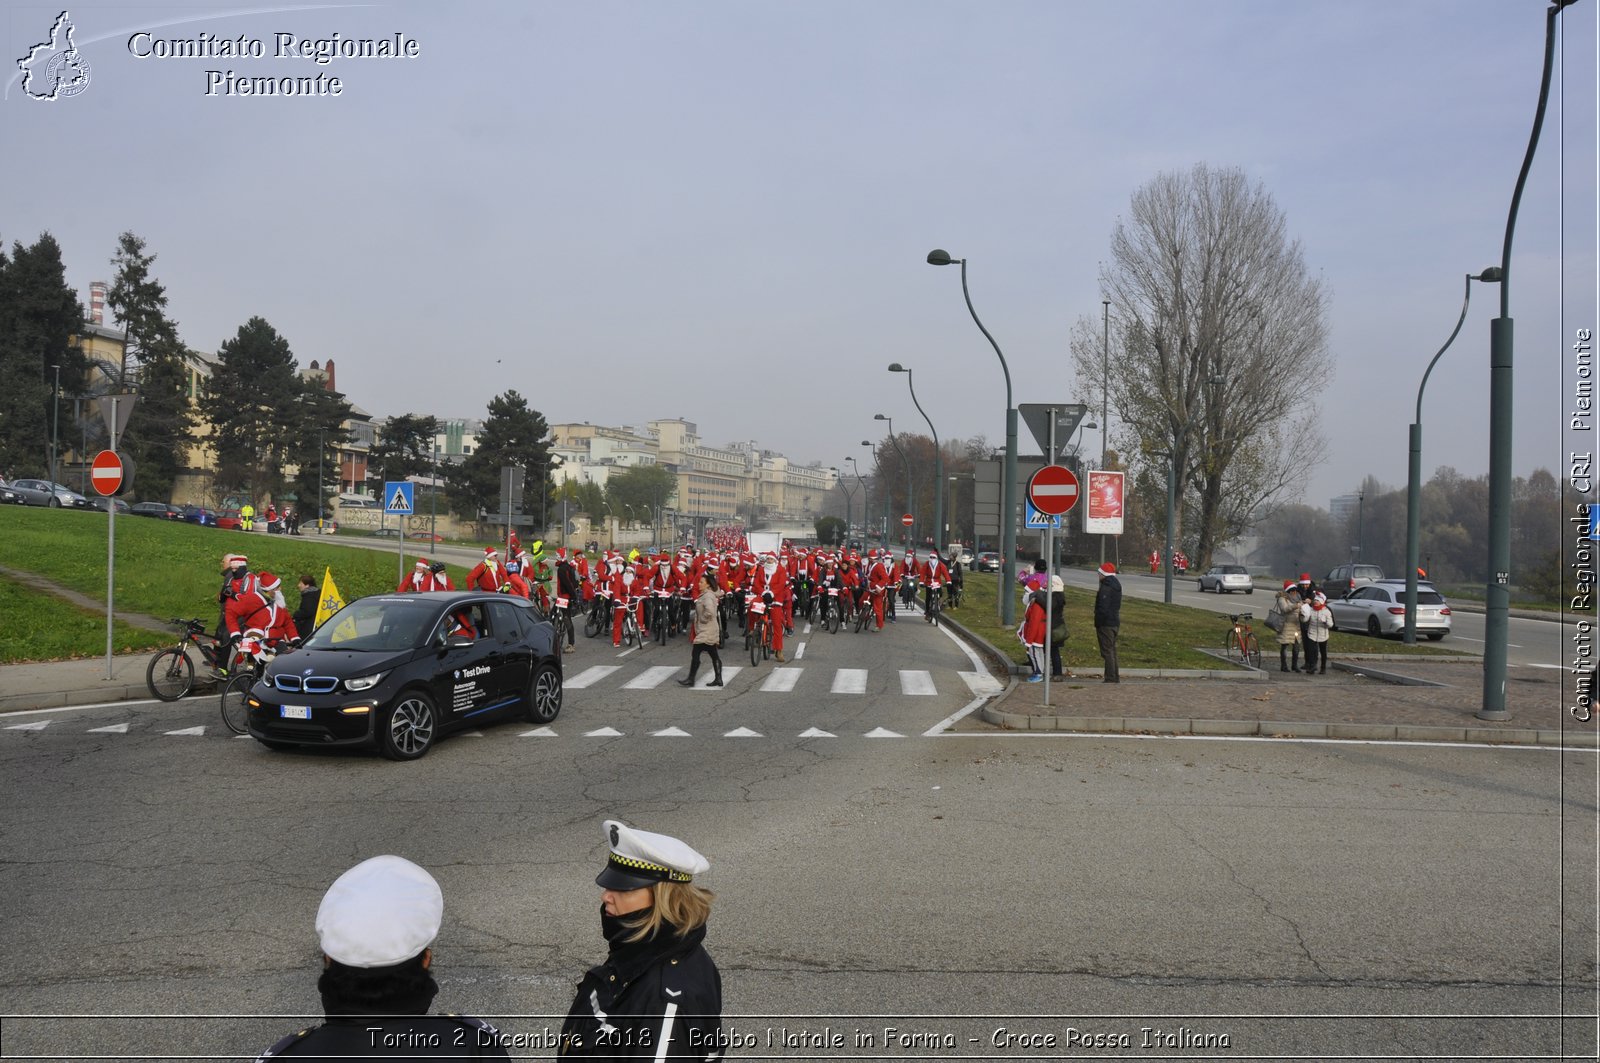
(1379, 609)
(1225, 579)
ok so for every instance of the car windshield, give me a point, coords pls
(381, 625)
(1368, 572)
(1232, 570)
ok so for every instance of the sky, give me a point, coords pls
(720, 210)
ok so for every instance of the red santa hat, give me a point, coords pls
(490, 553)
(422, 563)
(1108, 569)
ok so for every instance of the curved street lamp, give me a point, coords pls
(938, 460)
(877, 470)
(1414, 471)
(839, 480)
(866, 496)
(911, 531)
(1008, 501)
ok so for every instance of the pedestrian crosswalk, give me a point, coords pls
(784, 680)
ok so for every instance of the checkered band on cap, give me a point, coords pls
(645, 869)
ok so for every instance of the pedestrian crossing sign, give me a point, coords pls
(398, 497)
(1033, 519)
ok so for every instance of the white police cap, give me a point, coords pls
(381, 912)
(640, 858)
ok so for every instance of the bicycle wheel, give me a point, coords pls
(861, 618)
(660, 624)
(752, 645)
(170, 674)
(591, 626)
(934, 609)
(766, 636)
(235, 712)
(1230, 646)
(1252, 650)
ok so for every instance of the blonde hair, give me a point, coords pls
(681, 905)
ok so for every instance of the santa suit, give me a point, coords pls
(878, 584)
(778, 583)
(518, 585)
(420, 581)
(897, 570)
(485, 576)
(933, 571)
(623, 585)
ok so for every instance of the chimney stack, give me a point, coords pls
(328, 368)
(97, 302)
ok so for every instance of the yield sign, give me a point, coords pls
(1053, 490)
(106, 472)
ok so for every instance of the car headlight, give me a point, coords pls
(366, 682)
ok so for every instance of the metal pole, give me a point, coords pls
(320, 451)
(1105, 398)
(938, 462)
(1049, 552)
(1008, 499)
(1172, 521)
(1497, 593)
(55, 423)
(111, 547)
(433, 501)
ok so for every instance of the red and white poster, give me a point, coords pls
(1104, 513)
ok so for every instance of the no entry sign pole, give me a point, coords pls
(111, 546)
(1050, 569)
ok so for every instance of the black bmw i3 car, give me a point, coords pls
(400, 671)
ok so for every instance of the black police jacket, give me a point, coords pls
(666, 988)
(393, 1037)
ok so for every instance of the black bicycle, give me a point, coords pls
(254, 656)
(561, 617)
(170, 674)
(599, 616)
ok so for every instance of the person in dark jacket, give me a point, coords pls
(305, 614)
(657, 995)
(1108, 618)
(376, 926)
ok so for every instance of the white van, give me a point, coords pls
(352, 501)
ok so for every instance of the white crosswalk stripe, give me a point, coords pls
(187, 731)
(782, 680)
(849, 681)
(981, 683)
(36, 726)
(114, 729)
(651, 677)
(590, 676)
(917, 683)
(728, 672)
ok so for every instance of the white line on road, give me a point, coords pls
(849, 681)
(590, 676)
(36, 726)
(743, 732)
(917, 683)
(1260, 738)
(728, 672)
(670, 732)
(187, 731)
(651, 677)
(800, 650)
(96, 705)
(115, 729)
(782, 680)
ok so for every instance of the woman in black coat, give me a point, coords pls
(657, 985)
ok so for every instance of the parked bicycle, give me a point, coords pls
(170, 674)
(1239, 645)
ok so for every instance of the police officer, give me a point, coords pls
(657, 995)
(375, 925)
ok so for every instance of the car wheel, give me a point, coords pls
(54, 503)
(1252, 590)
(1435, 636)
(408, 729)
(1373, 629)
(544, 695)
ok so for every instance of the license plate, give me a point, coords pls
(295, 712)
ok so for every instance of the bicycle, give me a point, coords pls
(1239, 645)
(758, 630)
(599, 616)
(561, 615)
(661, 606)
(170, 674)
(908, 593)
(256, 654)
(832, 611)
(630, 623)
(935, 604)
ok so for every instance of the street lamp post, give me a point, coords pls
(55, 422)
(866, 497)
(938, 460)
(847, 498)
(1414, 467)
(1361, 519)
(883, 492)
(1105, 395)
(320, 452)
(911, 531)
(433, 499)
(1008, 502)
(1497, 593)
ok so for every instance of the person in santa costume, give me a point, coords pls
(486, 574)
(878, 588)
(933, 576)
(770, 576)
(623, 586)
(511, 581)
(420, 580)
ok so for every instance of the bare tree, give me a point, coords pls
(1217, 341)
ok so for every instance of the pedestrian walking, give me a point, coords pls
(658, 994)
(1287, 603)
(305, 614)
(1316, 621)
(376, 926)
(707, 630)
(1108, 619)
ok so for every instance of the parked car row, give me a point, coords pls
(43, 493)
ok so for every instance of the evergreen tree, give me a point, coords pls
(39, 315)
(404, 448)
(155, 363)
(313, 429)
(252, 399)
(513, 434)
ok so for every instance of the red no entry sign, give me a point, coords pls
(106, 472)
(907, 519)
(1053, 490)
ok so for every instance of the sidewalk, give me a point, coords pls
(1373, 697)
(54, 684)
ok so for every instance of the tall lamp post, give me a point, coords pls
(1497, 593)
(877, 470)
(1414, 470)
(839, 479)
(55, 422)
(866, 497)
(1008, 501)
(320, 451)
(1105, 395)
(911, 531)
(938, 460)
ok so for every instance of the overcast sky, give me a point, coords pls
(721, 211)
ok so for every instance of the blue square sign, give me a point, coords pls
(398, 497)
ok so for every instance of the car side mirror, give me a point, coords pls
(456, 641)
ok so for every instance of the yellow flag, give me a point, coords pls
(331, 600)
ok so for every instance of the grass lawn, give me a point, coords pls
(164, 569)
(1153, 634)
(41, 627)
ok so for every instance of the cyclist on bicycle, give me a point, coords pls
(771, 577)
(620, 588)
(568, 590)
(878, 585)
(511, 581)
(933, 575)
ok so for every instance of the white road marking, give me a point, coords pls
(590, 676)
(782, 680)
(917, 683)
(817, 732)
(849, 681)
(187, 731)
(37, 726)
(652, 677)
(604, 732)
(538, 732)
(728, 672)
(1264, 738)
(882, 732)
(800, 650)
(116, 729)
(79, 708)
(670, 732)
(743, 732)
(981, 682)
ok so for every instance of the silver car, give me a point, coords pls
(45, 493)
(1225, 579)
(1379, 609)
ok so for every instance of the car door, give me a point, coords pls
(515, 667)
(464, 673)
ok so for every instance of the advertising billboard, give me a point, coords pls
(1104, 513)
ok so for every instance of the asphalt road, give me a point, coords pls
(1295, 899)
